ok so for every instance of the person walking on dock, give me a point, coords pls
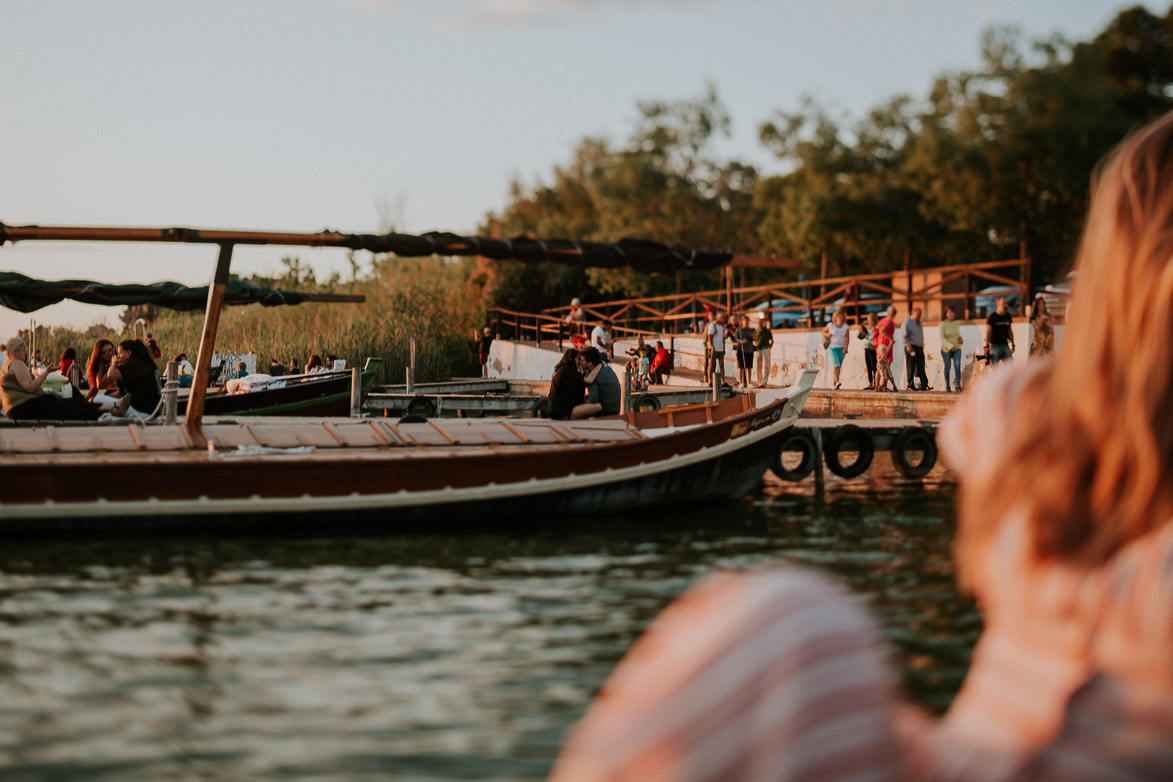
(999, 333)
(715, 348)
(743, 342)
(836, 335)
(951, 348)
(885, 346)
(867, 333)
(763, 340)
(914, 349)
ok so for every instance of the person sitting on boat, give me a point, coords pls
(66, 364)
(22, 397)
(153, 347)
(102, 389)
(603, 391)
(241, 370)
(1064, 536)
(294, 366)
(275, 367)
(186, 370)
(137, 378)
(314, 365)
(566, 387)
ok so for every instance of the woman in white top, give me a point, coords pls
(836, 334)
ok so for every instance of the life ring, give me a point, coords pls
(645, 402)
(540, 408)
(422, 406)
(914, 438)
(849, 434)
(802, 442)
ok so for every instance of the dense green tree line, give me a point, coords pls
(992, 164)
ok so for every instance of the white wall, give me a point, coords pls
(793, 352)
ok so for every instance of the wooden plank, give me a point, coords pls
(446, 436)
(252, 433)
(379, 433)
(330, 430)
(393, 429)
(512, 429)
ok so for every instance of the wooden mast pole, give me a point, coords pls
(193, 419)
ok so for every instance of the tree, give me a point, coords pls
(664, 184)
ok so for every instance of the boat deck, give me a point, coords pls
(330, 435)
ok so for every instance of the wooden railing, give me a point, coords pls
(802, 304)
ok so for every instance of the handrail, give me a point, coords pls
(806, 300)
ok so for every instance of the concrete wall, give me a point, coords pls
(793, 352)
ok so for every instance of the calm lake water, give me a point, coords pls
(421, 657)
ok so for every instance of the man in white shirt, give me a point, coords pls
(601, 339)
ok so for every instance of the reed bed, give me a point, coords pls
(425, 299)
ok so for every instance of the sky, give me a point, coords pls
(302, 115)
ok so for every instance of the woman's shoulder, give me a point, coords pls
(975, 431)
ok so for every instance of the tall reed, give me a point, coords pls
(426, 299)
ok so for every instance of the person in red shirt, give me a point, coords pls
(660, 364)
(885, 341)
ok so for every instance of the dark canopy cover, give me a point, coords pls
(640, 255)
(25, 294)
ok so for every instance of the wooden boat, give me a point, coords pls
(274, 474)
(327, 394)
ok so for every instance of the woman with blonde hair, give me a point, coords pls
(1065, 537)
(837, 338)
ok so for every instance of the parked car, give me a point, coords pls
(876, 303)
(986, 300)
(787, 319)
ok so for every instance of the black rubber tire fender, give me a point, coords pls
(421, 405)
(540, 408)
(412, 418)
(841, 436)
(914, 438)
(800, 440)
(649, 401)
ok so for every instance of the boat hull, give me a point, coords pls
(395, 488)
(328, 397)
